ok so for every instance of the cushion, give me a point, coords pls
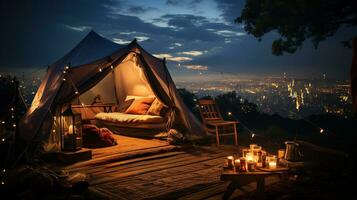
(123, 106)
(94, 137)
(157, 108)
(140, 106)
(122, 118)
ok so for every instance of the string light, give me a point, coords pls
(66, 67)
(14, 125)
(2, 183)
(4, 170)
(64, 71)
(3, 139)
(77, 92)
(100, 69)
(229, 113)
(253, 135)
(64, 79)
(111, 66)
(321, 130)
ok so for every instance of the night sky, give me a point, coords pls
(196, 36)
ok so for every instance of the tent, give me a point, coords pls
(99, 64)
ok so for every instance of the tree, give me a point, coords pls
(298, 20)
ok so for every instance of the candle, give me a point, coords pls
(237, 164)
(243, 163)
(249, 156)
(230, 161)
(251, 166)
(272, 165)
(281, 153)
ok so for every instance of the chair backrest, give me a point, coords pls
(209, 110)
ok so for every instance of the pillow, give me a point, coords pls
(140, 106)
(157, 108)
(124, 106)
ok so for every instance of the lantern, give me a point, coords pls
(71, 130)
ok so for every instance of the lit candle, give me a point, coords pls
(237, 164)
(249, 156)
(230, 161)
(281, 153)
(272, 165)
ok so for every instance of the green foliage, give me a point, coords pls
(297, 20)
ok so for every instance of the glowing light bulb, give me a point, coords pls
(3, 139)
(64, 71)
(76, 92)
(253, 135)
(229, 113)
(14, 125)
(66, 67)
(100, 69)
(4, 170)
(111, 66)
(321, 130)
(3, 122)
(64, 79)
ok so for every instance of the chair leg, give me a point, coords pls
(235, 134)
(217, 136)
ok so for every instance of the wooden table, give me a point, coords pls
(239, 179)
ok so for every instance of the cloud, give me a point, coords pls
(196, 67)
(192, 53)
(78, 28)
(142, 38)
(121, 41)
(229, 33)
(172, 58)
(177, 44)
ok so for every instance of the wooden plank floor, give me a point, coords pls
(151, 169)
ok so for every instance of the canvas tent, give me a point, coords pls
(97, 64)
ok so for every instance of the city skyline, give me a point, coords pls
(40, 32)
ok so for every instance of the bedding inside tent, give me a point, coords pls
(126, 81)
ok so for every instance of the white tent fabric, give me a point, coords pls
(94, 64)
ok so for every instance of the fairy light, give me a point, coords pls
(100, 69)
(66, 67)
(322, 130)
(229, 113)
(111, 67)
(64, 79)
(76, 92)
(253, 135)
(3, 140)
(4, 170)
(14, 125)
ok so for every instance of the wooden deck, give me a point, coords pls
(152, 169)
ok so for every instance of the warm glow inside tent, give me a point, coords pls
(97, 66)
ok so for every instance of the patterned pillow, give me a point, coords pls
(157, 108)
(140, 106)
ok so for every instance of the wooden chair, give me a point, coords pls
(213, 121)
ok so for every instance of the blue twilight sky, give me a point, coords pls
(198, 37)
